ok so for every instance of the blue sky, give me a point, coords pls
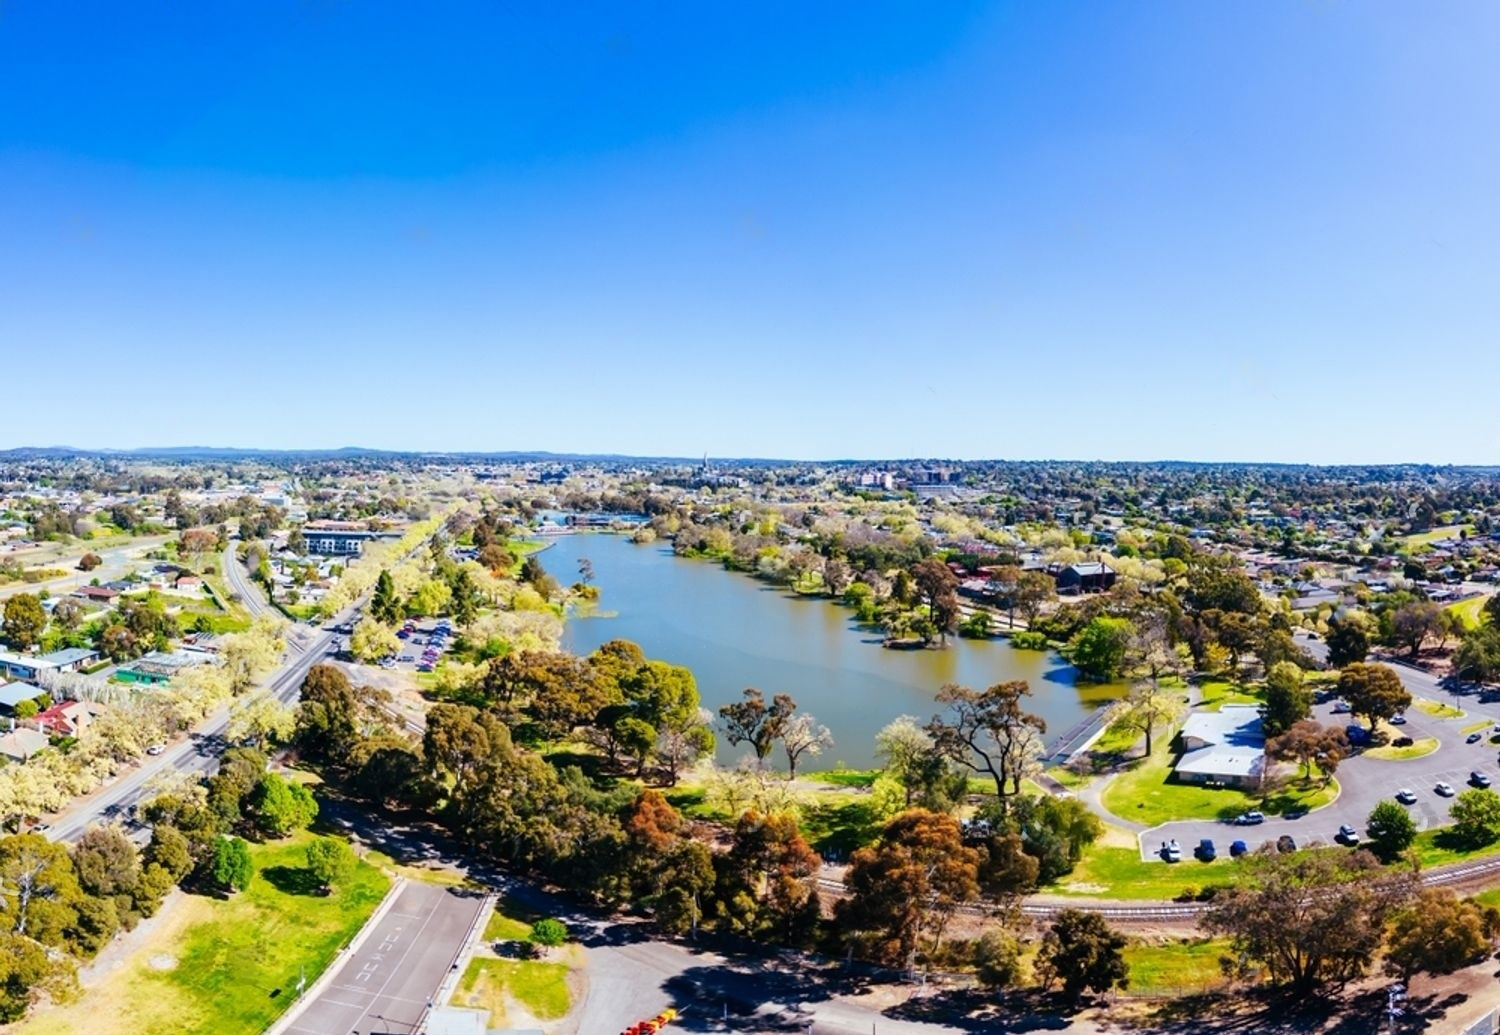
(1136, 230)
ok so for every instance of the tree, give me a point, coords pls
(296, 541)
(330, 860)
(905, 889)
(1309, 742)
(549, 932)
(465, 598)
(1309, 918)
(169, 850)
(24, 620)
(38, 889)
(1478, 656)
(1374, 691)
(27, 970)
(1100, 648)
(328, 715)
(1083, 952)
(938, 586)
(925, 775)
(1391, 830)
(373, 640)
(1412, 623)
(1148, 707)
(1476, 817)
(262, 721)
(89, 561)
(232, 866)
(752, 722)
(280, 807)
(765, 884)
(1053, 831)
(1437, 934)
(987, 732)
(1288, 700)
(1348, 639)
(996, 956)
(1033, 591)
(68, 614)
(383, 603)
(803, 735)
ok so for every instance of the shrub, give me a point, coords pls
(549, 932)
(1029, 640)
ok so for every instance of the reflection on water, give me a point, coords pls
(734, 631)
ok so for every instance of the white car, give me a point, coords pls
(1444, 788)
(156, 749)
(1398, 720)
(1406, 796)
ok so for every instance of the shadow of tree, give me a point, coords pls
(292, 880)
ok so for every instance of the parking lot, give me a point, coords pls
(1363, 783)
(423, 644)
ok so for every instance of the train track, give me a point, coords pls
(1479, 872)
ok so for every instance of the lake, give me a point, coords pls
(734, 631)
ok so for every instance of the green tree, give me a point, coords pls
(753, 722)
(279, 807)
(465, 598)
(1288, 700)
(1099, 650)
(988, 732)
(1149, 707)
(39, 891)
(996, 956)
(27, 970)
(24, 620)
(373, 640)
(383, 603)
(1374, 691)
(1084, 953)
(232, 866)
(1390, 829)
(549, 932)
(1476, 817)
(1348, 639)
(1437, 934)
(1412, 623)
(330, 860)
(1478, 656)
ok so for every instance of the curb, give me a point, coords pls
(311, 992)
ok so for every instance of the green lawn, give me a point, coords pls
(508, 923)
(1146, 794)
(1107, 871)
(844, 777)
(1470, 610)
(1425, 746)
(1217, 693)
(1476, 727)
(1433, 849)
(228, 965)
(1432, 535)
(1176, 968)
(542, 988)
(1437, 709)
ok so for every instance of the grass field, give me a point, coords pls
(1425, 746)
(508, 923)
(1432, 535)
(1145, 794)
(540, 988)
(226, 966)
(1175, 968)
(1470, 610)
(1112, 871)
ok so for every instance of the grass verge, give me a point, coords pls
(227, 965)
(1437, 709)
(540, 988)
(1176, 968)
(1425, 746)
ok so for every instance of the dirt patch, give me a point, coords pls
(162, 961)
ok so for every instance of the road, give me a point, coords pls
(240, 584)
(387, 983)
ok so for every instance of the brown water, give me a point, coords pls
(734, 631)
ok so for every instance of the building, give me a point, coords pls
(1085, 577)
(1223, 748)
(158, 667)
(331, 542)
(20, 744)
(64, 719)
(12, 694)
(18, 666)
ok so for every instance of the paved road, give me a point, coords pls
(1364, 782)
(387, 984)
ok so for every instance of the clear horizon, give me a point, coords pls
(1248, 233)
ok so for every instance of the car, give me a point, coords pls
(1348, 835)
(406, 659)
(1475, 738)
(1406, 796)
(424, 667)
(1249, 819)
(1357, 734)
(403, 635)
(1444, 788)
(1285, 844)
(1398, 720)
(1171, 852)
(1206, 851)
(1340, 707)
(1238, 848)
(156, 749)
(1402, 742)
(1478, 779)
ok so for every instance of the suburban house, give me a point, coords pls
(1085, 577)
(1226, 747)
(12, 694)
(21, 744)
(18, 666)
(159, 667)
(64, 719)
(98, 594)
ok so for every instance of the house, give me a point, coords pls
(97, 594)
(20, 744)
(1085, 577)
(159, 667)
(64, 719)
(1226, 748)
(18, 666)
(70, 659)
(12, 694)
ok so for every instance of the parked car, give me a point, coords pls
(1398, 720)
(1444, 788)
(1478, 779)
(156, 749)
(1285, 844)
(1172, 852)
(1238, 848)
(1340, 707)
(1402, 742)
(424, 667)
(1348, 835)
(1205, 851)
(1475, 737)
(1406, 796)
(1249, 819)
